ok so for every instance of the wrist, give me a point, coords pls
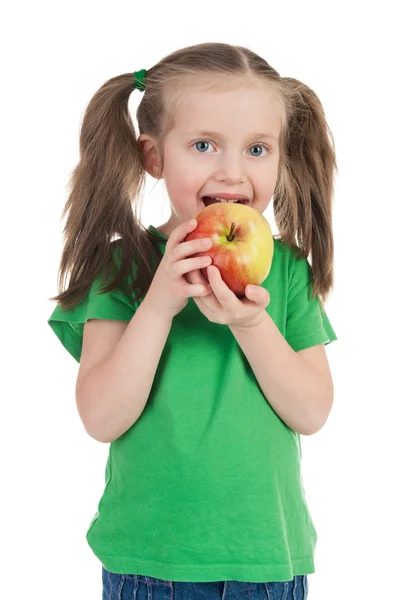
(250, 325)
(153, 312)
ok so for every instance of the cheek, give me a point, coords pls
(182, 190)
(181, 179)
(181, 185)
(267, 180)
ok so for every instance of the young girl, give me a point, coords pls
(202, 395)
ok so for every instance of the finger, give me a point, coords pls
(194, 276)
(219, 287)
(257, 294)
(179, 233)
(194, 290)
(185, 265)
(191, 248)
(202, 274)
(197, 277)
(196, 286)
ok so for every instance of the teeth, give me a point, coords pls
(223, 199)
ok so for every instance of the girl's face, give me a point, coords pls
(222, 142)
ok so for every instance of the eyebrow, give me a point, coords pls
(218, 135)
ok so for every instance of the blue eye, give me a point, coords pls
(255, 146)
(202, 142)
(258, 146)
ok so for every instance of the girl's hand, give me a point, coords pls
(224, 307)
(169, 291)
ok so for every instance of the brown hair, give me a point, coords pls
(107, 183)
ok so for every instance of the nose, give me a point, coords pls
(231, 169)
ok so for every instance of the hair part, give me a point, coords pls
(104, 204)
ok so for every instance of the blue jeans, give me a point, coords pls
(142, 587)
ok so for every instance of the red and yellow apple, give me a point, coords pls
(242, 240)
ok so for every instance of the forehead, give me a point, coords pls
(228, 107)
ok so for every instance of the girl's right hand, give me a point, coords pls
(169, 291)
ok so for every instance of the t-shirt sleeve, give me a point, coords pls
(306, 323)
(68, 324)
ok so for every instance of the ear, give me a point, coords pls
(150, 155)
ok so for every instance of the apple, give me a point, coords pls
(242, 240)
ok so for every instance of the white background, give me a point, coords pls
(356, 56)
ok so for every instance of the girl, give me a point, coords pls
(202, 395)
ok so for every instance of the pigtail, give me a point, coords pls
(303, 198)
(108, 177)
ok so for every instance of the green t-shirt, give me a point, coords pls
(206, 485)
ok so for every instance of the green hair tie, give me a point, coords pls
(139, 79)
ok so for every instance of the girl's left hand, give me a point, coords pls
(223, 306)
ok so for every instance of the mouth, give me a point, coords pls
(208, 200)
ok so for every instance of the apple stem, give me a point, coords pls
(231, 233)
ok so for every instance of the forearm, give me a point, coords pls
(298, 393)
(115, 392)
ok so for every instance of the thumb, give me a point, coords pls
(258, 294)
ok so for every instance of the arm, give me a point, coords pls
(299, 392)
(115, 391)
